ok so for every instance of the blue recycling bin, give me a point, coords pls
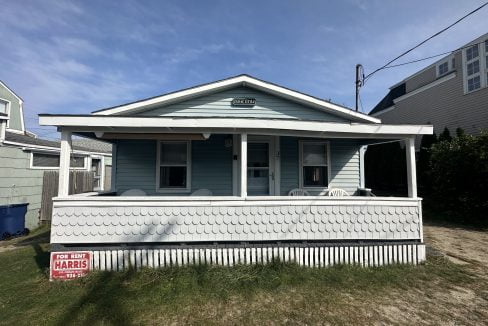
(12, 220)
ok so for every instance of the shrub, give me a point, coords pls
(459, 176)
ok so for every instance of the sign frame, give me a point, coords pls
(72, 264)
(243, 101)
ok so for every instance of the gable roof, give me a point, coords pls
(236, 81)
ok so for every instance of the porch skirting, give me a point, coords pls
(303, 254)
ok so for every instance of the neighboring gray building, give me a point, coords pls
(24, 158)
(452, 92)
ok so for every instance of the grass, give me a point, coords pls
(276, 293)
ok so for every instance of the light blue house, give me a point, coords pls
(237, 170)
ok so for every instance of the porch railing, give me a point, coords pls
(105, 220)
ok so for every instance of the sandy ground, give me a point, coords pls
(460, 245)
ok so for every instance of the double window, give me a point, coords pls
(314, 164)
(476, 66)
(173, 171)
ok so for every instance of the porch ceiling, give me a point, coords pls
(121, 124)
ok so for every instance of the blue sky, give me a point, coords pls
(79, 56)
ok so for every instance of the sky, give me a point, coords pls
(80, 56)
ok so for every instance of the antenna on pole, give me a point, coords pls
(359, 83)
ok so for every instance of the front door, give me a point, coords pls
(259, 171)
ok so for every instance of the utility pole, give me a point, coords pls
(359, 69)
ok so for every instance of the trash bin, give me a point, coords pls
(12, 220)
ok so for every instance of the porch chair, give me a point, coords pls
(298, 192)
(134, 192)
(337, 192)
(202, 192)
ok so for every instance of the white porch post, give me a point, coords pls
(64, 162)
(411, 167)
(243, 165)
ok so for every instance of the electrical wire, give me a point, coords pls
(423, 42)
(434, 56)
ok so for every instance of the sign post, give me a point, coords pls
(70, 265)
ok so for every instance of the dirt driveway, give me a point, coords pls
(460, 245)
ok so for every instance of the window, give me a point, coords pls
(51, 161)
(3, 107)
(443, 68)
(472, 52)
(96, 168)
(474, 83)
(473, 67)
(476, 67)
(314, 164)
(173, 166)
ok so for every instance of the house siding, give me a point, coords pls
(14, 170)
(219, 105)
(443, 105)
(15, 121)
(211, 166)
(344, 159)
(425, 77)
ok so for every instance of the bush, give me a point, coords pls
(459, 176)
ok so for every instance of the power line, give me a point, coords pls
(434, 56)
(424, 41)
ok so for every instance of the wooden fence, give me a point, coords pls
(79, 182)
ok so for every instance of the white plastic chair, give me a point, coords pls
(134, 192)
(202, 192)
(298, 192)
(337, 192)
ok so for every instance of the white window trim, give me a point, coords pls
(7, 110)
(450, 66)
(482, 53)
(300, 165)
(32, 167)
(188, 167)
(102, 170)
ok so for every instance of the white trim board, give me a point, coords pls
(241, 80)
(85, 123)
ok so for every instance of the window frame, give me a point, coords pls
(187, 189)
(301, 165)
(7, 110)
(450, 66)
(31, 163)
(102, 171)
(482, 59)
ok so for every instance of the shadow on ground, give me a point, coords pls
(102, 303)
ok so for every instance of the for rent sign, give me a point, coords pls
(69, 265)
